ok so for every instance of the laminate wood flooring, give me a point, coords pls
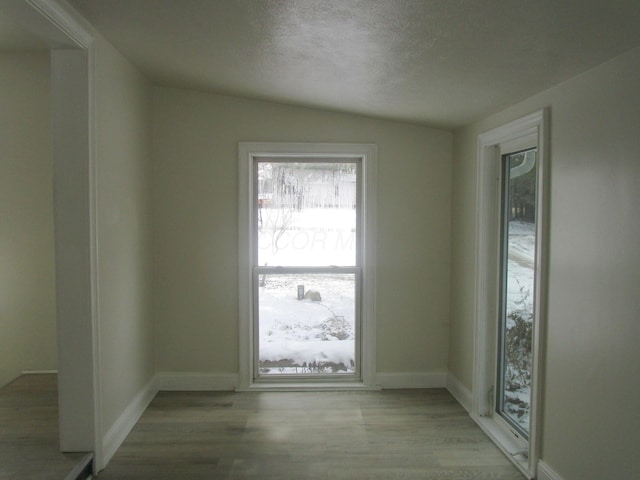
(393, 434)
(29, 433)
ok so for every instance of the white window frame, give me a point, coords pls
(524, 132)
(247, 152)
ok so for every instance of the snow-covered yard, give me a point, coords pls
(520, 286)
(306, 335)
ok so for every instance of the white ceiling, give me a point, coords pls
(436, 62)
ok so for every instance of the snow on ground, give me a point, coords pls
(520, 286)
(307, 332)
(520, 266)
(306, 336)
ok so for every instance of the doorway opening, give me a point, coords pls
(72, 51)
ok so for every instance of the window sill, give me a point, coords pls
(513, 448)
(306, 387)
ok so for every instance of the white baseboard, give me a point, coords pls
(114, 437)
(39, 372)
(411, 380)
(177, 381)
(186, 381)
(545, 472)
(459, 391)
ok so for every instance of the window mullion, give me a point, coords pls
(332, 269)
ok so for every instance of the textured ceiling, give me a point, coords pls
(436, 62)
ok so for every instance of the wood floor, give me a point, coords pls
(29, 445)
(393, 434)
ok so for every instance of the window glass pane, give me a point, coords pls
(306, 213)
(306, 324)
(518, 280)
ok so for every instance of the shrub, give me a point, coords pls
(518, 350)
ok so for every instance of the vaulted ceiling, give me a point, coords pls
(443, 63)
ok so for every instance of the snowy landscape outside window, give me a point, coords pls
(518, 251)
(308, 268)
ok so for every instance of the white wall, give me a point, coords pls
(195, 142)
(123, 144)
(27, 285)
(591, 426)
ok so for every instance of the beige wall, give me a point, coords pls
(195, 142)
(123, 126)
(27, 285)
(591, 426)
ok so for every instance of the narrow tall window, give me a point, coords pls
(510, 287)
(517, 288)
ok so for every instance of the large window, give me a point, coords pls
(307, 273)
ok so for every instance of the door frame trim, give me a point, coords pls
(72, 46)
